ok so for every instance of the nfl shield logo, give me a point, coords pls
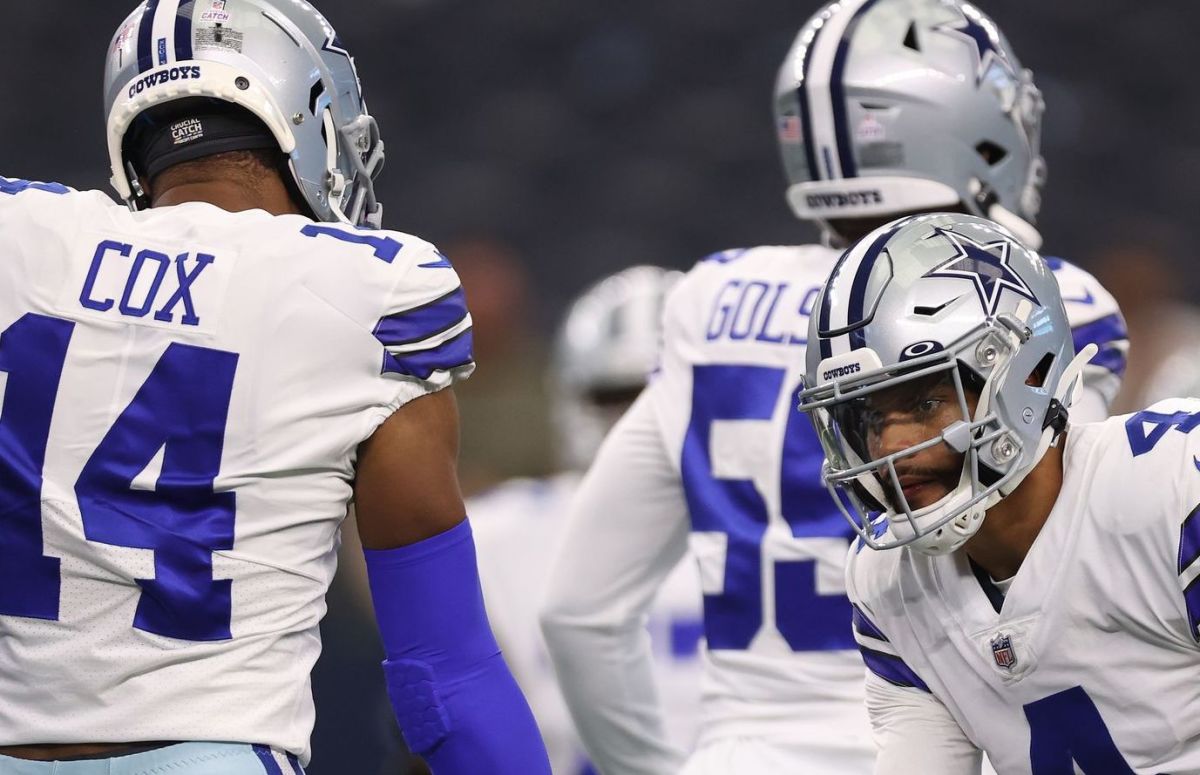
(1002, 650)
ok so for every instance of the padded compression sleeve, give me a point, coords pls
(454, 698)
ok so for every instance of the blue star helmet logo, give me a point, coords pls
(978, 32)
(985, 265)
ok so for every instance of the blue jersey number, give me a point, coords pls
(386, 248)
(808, 621)
(180, 411)
(1141, 442)
(1066, 729)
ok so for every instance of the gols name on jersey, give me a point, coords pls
(762, 311)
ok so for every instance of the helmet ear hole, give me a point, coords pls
(910, 38)
(990, 152)
(1037, 377)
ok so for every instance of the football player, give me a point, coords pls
(195, 388)
(883, 107)
(1029, 587)
(607, 345)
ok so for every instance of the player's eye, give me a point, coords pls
(928, 407)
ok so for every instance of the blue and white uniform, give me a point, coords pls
(517, 525)
(715, 456)
(184, 392)
(1083, 661)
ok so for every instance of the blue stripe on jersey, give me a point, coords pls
(420, 323)
(268, 761)
(1189, 540)
(892, 669)
(685, 637)
(864, 626)
(1110, 358)
(1191, 597)
(296, 768)
(1054, 262)
(837, 94)
(14, 187)
(422, 364)
(183, 32)
(146, 37)
(1189, 553)
(1104, 332)
(441, 262)
(725, 256)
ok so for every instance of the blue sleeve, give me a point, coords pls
(1111, 339)
(879, 656)
(1094, 315)
(454, 697)
(14, 187)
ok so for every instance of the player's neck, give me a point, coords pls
(230, 196)
(1012, 525)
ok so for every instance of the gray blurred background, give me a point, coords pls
(592, 135)
(543, 144)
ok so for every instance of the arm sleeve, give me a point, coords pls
(627, 529)
(915, 733)
(454, 698)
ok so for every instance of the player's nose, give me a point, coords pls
(897, 432)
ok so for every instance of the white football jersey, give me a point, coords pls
(517, 526)
(184, 391)
(781, 658)
(1086, 663)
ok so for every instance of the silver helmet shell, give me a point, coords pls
(278, 59)
(607, 346)
(890, 107)
(943, 294)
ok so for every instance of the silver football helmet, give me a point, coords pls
(889, 107)
(949, 296)
(606, 349)
(278, 59)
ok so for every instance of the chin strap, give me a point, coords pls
(1070, 387)
(1056, 417)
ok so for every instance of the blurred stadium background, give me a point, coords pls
(543, 144)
